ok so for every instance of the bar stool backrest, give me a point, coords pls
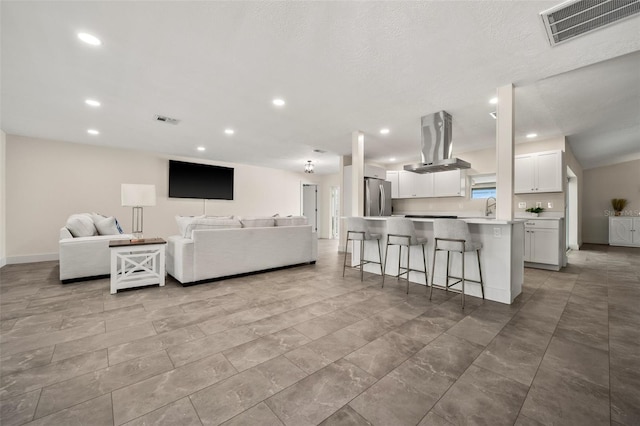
(358, 224)
(454, 229)
(401, 226)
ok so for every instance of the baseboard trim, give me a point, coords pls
(3, 262)
(31, 258)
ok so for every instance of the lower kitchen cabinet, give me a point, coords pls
(624, 231)
(544, 244)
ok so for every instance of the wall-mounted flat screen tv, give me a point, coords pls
(192, 180)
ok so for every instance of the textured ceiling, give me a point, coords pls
(340, 66)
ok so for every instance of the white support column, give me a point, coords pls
(357, 174)
(504, 153)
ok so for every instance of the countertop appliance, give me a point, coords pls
(377, 197)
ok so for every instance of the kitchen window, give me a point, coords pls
(477, 193)
(483, 186)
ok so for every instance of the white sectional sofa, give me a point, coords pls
(212, 251)
(88, 256)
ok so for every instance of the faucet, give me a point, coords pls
(488, 206)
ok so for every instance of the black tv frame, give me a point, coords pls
(200, 181)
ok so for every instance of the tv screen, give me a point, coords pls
(191, 180)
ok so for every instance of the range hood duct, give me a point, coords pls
(436, 146)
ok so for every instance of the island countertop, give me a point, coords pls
(501, 256)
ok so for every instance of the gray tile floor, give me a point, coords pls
(305, 346)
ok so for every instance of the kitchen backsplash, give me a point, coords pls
(453, 204)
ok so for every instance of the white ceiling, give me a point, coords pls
(340, 66)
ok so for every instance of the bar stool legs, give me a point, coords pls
(363, 261)
(407, 269)
(462, 279)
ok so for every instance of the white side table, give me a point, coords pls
(136, 263)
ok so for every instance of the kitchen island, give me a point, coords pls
(501, 257)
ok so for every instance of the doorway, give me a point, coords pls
(335, 212)
(571, 211)
(310, 204)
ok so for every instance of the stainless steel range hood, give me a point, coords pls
(436, 146)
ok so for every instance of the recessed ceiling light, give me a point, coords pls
(229, 131)
(384, 131)
(92, 102)
(201, 148)
(493, 101)
(93, 132)
(392, 159)
(89, 39)
(278, 102)
(531, 135)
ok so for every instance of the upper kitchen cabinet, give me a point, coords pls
(375, 172)
(393, 176)
(414, 185)
(538, 172)
(449, 184)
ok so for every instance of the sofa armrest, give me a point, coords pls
(86, 256)
(64, 233)
(180, 259)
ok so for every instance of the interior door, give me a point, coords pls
(310, 205)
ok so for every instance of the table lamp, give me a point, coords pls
(137, 196)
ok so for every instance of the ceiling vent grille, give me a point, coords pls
(577, 17)
(168, 120)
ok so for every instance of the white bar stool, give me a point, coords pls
(452, 235)
(358, 230)
(402, 233)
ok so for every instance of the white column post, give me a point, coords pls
(504, 153)
(357, 174)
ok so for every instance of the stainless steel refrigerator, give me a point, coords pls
(377, 197)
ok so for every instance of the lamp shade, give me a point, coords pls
(137, 195)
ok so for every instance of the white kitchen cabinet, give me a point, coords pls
(624, 231)
(538, 172)
(414, 185)
(544, 244)
(393, 176)
(374, 172)
(449, 184)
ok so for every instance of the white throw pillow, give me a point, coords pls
(210, 223)
(291, 221)
(81, 225)
(183, 222)
(257, 222)
(107, 226)
(97, 217)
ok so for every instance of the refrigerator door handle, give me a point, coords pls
(382, 200)
(368, 198)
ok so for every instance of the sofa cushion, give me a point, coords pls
(81, 225)
(291, 221)
(183, 222)
(107, 226)
(257, 222)
(209, 223)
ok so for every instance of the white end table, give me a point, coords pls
(136, 263)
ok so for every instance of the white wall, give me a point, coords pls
(3, 210)
(47, 180)
(601, 184)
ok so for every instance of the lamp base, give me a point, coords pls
(137, 236)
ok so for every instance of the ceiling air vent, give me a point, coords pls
(168, 120)
(577, 17)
